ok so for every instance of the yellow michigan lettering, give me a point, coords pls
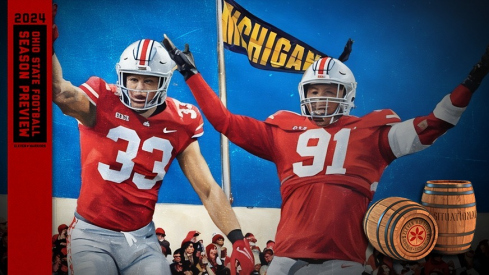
(263, 46)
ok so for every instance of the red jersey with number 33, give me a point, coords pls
(125, 157)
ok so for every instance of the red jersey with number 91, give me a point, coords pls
(125, 157)
(328, 175)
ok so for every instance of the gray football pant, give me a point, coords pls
(283, 265)
(95, 250)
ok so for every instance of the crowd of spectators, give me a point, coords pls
(471, 262)
(60, 263)
(194, 256)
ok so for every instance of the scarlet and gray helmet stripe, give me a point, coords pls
(143, 51)
(322, 68)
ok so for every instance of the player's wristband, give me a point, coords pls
(235, 235)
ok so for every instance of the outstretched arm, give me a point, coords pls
(246, 132)
(196, 170)
(70, 99)
(419, 133)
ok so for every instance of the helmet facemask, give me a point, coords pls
(151, 98)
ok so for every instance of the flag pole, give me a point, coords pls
(225, 162)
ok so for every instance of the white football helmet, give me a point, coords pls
(145, 57)
(328, 70)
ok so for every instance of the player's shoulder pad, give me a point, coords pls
(95, 86)
(98, 83)
(379, 118)
(187, 115)
(182, 109)
(290, 121)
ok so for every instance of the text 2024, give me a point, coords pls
(30, 18)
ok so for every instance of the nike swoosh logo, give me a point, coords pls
(244, 252)
(345, 265)
(168, 131)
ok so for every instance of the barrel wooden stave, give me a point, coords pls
(387, 222)
(452, 204)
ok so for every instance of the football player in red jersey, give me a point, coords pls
(328, 162)
(129, 135)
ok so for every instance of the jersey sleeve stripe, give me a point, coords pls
(446, 111)
(90, 92)
(199, 131)
(404, 140)
(199, 127)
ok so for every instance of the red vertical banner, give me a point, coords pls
(29, 137)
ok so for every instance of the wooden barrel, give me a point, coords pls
(400, 228)
(452, 204)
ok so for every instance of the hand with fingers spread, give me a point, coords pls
(184, 60)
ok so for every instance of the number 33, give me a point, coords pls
(126, 157)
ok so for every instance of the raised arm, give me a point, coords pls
(70, 99)
(246, 132)
(419, 133)
(197, 171)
